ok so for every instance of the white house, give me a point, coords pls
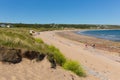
(8, 26)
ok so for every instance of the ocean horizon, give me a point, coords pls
(113, 35)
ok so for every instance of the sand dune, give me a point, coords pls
(97, 63)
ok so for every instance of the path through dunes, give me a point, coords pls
(97, 63)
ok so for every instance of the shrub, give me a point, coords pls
(74, 67)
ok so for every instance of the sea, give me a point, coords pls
(113, 35)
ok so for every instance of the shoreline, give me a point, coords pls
(81, 32)
(101, 44)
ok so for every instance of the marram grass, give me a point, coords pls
(58, 56)
(74, 67)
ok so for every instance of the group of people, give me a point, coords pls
(93, 45)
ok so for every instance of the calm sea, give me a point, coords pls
(113, 35)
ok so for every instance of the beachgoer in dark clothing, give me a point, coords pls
(86, 45)
(93, 45)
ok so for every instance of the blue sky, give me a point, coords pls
(60, 11)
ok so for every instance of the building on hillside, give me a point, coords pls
(6, 26)
(2, 25)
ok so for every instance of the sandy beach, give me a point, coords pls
(99, 64)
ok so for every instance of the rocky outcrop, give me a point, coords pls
(30, 54)
(40, 57)
(33, 55)
(51, 59)
(10, 55)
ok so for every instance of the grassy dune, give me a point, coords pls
(19, 38)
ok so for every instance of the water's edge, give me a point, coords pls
(113, 35)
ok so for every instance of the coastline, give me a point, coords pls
(101, 44)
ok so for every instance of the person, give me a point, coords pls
(93, 45)
(86, 45)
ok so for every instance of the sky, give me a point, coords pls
(60, 11)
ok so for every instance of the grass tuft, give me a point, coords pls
(38, 40)
(74, 67)
(58, 56)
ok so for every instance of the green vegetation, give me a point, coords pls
(74, 67)
(60, 59)
(39, 40)
(21, 39)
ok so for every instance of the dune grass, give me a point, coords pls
(38, 40)
(60, 59)
(58, 56)
(14, 38)
(74, 67)
(18, 38)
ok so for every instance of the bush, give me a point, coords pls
(59, 58)
(74, 67)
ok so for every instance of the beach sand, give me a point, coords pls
(100, 43)
(99, 64)
(27, 70)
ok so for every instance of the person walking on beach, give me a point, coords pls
(93, 45)
(86, 45)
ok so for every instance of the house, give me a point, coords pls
(5, 25)
(8, 26)
(2, 25)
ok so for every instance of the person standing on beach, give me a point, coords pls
(93, 45)
(86, 45)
